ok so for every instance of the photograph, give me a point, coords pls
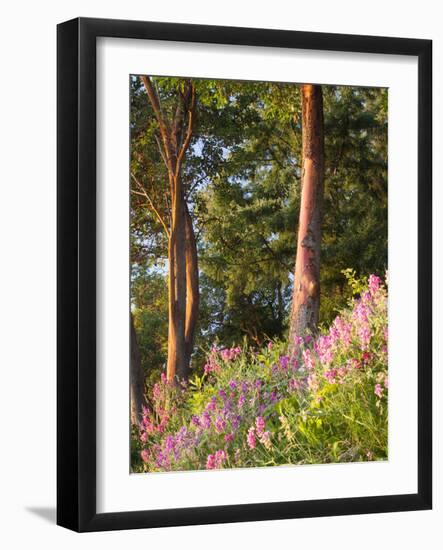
(258, 312)
(221, 293)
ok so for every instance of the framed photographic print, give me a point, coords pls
(244, 274)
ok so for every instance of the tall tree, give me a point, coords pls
(306, 293)
(238, 174)
(173, 142)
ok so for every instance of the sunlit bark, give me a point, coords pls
(306, 294)
(183, 288)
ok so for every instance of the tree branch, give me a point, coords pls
(188, 137)
(161, 151)
(143, 193)
(156, 105)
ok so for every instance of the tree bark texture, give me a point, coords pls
(192, 286)
(183, 290)
(306, 293)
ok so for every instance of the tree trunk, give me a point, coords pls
(306, 294)
(182, 250)
(137, 379)
(177, 358)
(192, 286)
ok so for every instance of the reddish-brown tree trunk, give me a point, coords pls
(306, 294)
(192, 286)
(182, 250)
(177, 358)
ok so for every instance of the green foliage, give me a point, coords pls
(242, 179)
(150, 312)
(356, 285)
(260, 408)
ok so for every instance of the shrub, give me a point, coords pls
(326, 403)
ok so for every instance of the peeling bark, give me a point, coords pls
(306, 294)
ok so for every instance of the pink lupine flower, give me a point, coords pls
(334, 333)
(341, 371)
(360, 313)
(212, 363)
(294, 384)
(215, 461)
(307, 359)
(353, 363)
(220, 457)
(146, 424)
(235, 422)
(331, 375)
(223, 394)
(378, 390)
(344, 331)
(250, 438)
(298, 341)
(323, 346)
(374, 284)
(211, 404)
(225, 354)
(212, 366)
(270, 345)
(205, 420)
(260, 425)
(195, 420)
(229, 437)
(169, 443)
(156, 391)
(230, 353)
(364, 335)
(220, 424)
(210, 462)
(144, 455)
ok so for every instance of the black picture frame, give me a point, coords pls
(76, 266)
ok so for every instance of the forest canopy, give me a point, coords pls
(241, 174)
